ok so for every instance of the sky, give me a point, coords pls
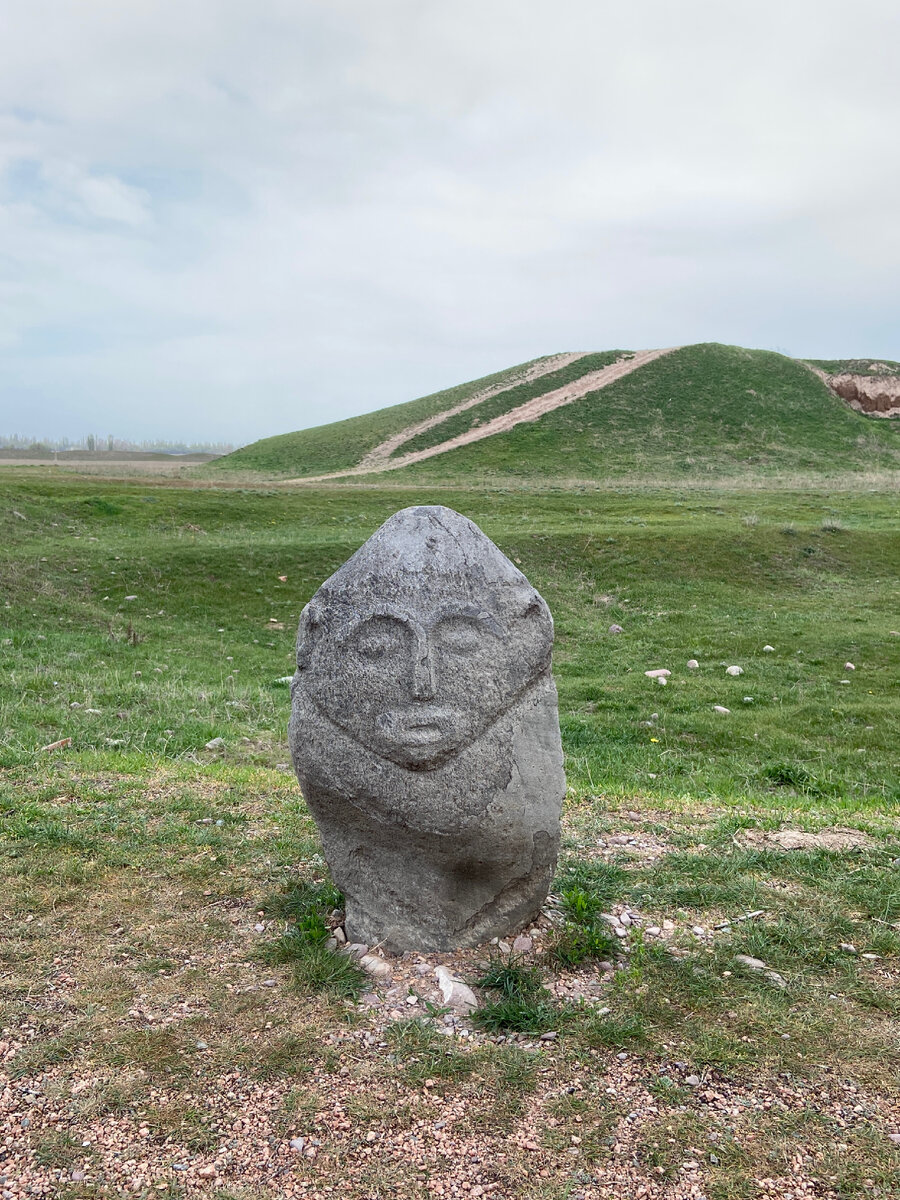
(222, 220)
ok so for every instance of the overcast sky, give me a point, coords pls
(223, 219)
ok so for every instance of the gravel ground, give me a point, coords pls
(354, 1126)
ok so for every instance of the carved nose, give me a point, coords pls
(423, 678)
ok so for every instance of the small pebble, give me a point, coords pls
(616, 629)
(720, 708)
(692, 664)
(848, 948)
(734, 670)
(692, 1080)
(298, 1143)
(768, 649)
(849, 667)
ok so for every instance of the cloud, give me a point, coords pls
(225, 221)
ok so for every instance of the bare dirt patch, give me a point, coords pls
(798, 839)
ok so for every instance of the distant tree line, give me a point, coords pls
(91, 441)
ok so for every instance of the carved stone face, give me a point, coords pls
(417, 666)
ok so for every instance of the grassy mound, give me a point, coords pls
(704, 410)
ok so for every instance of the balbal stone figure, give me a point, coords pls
(425, 735)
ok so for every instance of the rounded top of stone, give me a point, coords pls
(427, 545)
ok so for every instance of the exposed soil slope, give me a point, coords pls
(377, 459)
(877, 395)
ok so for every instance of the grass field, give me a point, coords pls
(162, 1037)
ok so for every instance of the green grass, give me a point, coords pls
(341, 444)
(140, 863)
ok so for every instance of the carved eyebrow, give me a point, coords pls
(383, 611)
(469, 613)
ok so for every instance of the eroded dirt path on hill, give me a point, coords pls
(380, 459)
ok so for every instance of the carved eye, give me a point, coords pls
(460, 636)
(379, 638)
(374, 646)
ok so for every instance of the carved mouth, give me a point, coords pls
(423, 733)
(419, 727)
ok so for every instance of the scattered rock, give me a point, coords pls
(849, 948)
(550, 1036)
(298, 1143)
(339, 935)
(720, 708)
(661, 673)
(215, 744)
(376, 967)
(523, 944)
(756, 964)
(768, 649)
(653, 931)
(693, 665)
(455, 993)
(692, 1080)
(616, 629)
(849, 667)
(734, 670)
(60, 745)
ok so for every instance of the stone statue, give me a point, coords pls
(425, 735)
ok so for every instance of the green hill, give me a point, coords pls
(705, 410)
